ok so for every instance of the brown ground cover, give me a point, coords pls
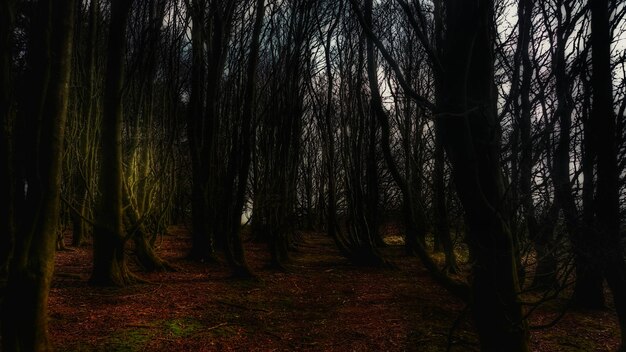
(322, 304)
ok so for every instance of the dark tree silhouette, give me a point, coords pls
(109, 263)
(604, 140)
(472, 139)
(31, 208)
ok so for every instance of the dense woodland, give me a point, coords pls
(491, 128)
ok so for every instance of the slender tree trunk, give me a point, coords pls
(109, 262)
(24, 310)
(80, 191)
(328, 138)
(442, 222)
(442, 226)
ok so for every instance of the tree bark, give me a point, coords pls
(7, 188)
(24, 310)
(471, 132)
(109, 262)
(198, 131)
(607, 206)
(442, 222)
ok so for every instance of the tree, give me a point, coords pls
(472, 141)
(442, 226)
(7, 216)
(604, 140)
(109, 263)
(202, 238)
(37, 138)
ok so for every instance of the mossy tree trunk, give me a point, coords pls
(42, 114)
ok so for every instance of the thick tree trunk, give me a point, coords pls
(472, 142)
(109, 262)
(24, 310)
(202, 239)
(607, 205)
(7, 188)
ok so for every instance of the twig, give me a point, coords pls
(217, 326)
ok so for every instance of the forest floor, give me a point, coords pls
(322, 304)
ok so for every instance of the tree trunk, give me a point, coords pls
(109, 262)
(7, 188)
(144, 251)
(442, 222)
(202, 239)
(471, 132)
(24, 310)
(442, 226)
(611, 255)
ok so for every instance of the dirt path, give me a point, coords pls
(324, 304)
